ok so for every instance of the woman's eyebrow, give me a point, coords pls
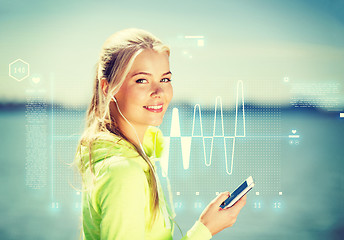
(149, 74)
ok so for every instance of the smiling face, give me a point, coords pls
(146, 91)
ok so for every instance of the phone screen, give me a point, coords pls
(234, 194)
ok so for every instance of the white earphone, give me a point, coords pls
(138, 139)
(168, 182)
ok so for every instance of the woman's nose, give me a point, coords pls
(157, 90)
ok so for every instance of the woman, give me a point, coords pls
(122, 197)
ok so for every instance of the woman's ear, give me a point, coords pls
(104, 86)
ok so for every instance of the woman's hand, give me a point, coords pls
(216, 219)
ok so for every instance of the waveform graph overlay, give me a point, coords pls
(209, 148)
(198, 160)
(66, 126)
(65, 180)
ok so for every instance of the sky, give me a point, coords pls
(261, 43)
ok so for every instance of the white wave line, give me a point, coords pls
(240, 84)
(243, 108)
(220, 99)
(200, 118)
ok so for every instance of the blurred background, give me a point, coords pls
(258, 91)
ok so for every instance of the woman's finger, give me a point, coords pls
(221, 198)
(240, 204)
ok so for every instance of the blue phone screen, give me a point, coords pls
(234, 194)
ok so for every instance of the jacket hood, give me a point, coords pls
(108, 145)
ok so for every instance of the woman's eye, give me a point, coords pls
(166, 80)
(141, 81)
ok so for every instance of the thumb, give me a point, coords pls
(221, 198)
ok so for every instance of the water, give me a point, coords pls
(310, 176)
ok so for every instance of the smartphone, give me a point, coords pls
(244, 188)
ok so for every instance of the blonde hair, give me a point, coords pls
(116, 58)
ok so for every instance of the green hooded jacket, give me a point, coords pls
(116, 199)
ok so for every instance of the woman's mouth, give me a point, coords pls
(154, 108)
